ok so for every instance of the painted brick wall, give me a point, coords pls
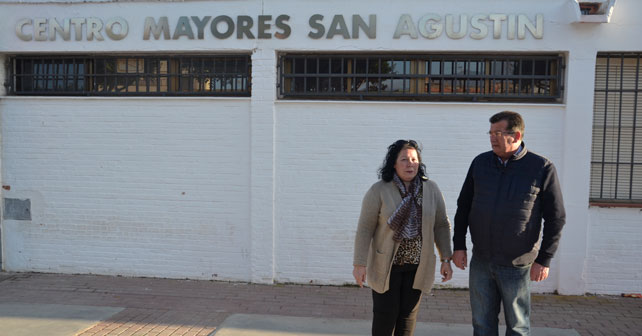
(106, 179)
(272, 189)
(145, 187)
(161, 187)
(327, 156)
(262, 165)
(613, 260)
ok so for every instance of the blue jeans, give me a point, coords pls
(491, 285)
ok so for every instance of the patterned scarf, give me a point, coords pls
(406, 220)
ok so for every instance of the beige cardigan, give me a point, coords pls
(375, 248)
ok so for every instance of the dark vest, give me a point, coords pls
(505, 217)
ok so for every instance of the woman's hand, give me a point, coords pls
(359, 273)
(446, 271)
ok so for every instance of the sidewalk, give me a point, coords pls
(184, 307)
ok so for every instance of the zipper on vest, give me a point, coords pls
(494, 242)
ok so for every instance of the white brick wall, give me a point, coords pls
(147, 187)
(327, 156)
(106, 179)
(261, 190)
(613, 260)
(262, 165)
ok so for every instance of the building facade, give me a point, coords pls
(235, 139)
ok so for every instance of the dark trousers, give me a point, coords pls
(396, 309)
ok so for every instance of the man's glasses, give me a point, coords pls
(500, 133)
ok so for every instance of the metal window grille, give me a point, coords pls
(197, 75)
(422, 77)
(616, 157)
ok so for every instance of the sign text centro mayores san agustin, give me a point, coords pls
(428, 26)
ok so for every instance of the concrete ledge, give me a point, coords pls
(30, 319)
(274, 325)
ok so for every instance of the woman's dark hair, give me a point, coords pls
(387, 170)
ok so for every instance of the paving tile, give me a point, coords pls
(188, 307)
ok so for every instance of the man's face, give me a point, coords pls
(503, 141)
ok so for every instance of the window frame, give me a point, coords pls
(287, 77)
(616, 86)
(161, 75)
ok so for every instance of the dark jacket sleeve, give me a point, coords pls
(463, 209)
(553, 214)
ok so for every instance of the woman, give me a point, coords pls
(402, 217)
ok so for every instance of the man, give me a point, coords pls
(506, 194)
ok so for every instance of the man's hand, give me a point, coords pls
(359, 274)
(460, 258)
(539, 272)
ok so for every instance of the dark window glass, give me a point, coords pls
(131, 75)
(616, 153)
(529, 78)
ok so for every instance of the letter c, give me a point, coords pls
(19, 26)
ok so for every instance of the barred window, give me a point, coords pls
(616, 156)
(227, 75)
(532, 78)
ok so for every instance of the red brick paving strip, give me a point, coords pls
(193, 308)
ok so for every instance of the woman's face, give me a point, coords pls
(407, 164)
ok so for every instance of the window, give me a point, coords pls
(535, 78)
(131, 75)
(616, 157)
(590, 8)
